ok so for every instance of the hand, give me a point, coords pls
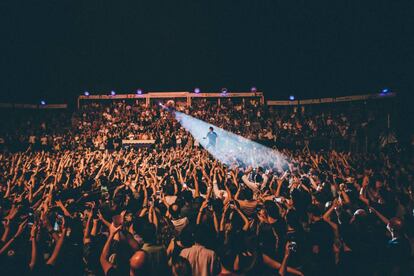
(33, 231)
(6, 223)
(226, 207)
(63, 227)
(21, 228)
(287, 248)
(100, 216)
(113, 229)
(204, 205)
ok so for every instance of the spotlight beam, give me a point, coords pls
(232, 149)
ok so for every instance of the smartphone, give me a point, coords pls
(30, 219)
(56, 226)
(293, 246)
(277, 200)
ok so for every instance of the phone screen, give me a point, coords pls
(56, 226)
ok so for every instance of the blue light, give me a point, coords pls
(224, 90)
(86, 93)
(291, 97)
(42, 102)
(113, 93)
(196, 90)
(139, 91)
(385, 91)
(232, 149)
(253, 89)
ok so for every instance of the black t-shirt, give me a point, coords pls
(322, 235)
(398, 251)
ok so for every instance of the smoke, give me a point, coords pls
(232, 149)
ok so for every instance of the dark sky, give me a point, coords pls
(58, 49)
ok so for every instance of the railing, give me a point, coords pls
(333, 99)
(33, 106)
(174, 95)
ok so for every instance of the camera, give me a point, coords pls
(30, 219)
(293, 246)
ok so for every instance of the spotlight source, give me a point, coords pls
(113, 93)
(86, 93)
(139, 91)
(43, 102)
(196, 90)
(224, 90)
(291, 97)
(253, 89)
(385, 91)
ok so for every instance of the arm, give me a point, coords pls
(379, 215)
(196, 187)
(283, 267)
(133, 244)
(33, 257)
(343, 195)
(200, 212)
(215, 220)
(249, 184)
(106, 265)
(327, 217)
(18, 233)
(52, 260)
(223, 218)
(244, 218)
(94, 227)
(104, 221)
(276, 265)
(6, 231)
(86, 234)
(63, 208)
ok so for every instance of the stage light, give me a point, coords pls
(291, 97)
(224, 90)
(86, 93)
(385, 91)
(196, 90)
(253, 89)
(113, 93)
(139, 91)
(42, 102)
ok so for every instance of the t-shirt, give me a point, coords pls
(203, 261)
(212, 137)
(399, 251)
(180, 224)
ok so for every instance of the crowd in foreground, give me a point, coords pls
(79, 203)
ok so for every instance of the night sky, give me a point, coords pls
(57, 49)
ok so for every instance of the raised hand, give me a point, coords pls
(113, 229)
(21, 228)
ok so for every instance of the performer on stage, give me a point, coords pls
(212, 138)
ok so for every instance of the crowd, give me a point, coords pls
(74, 201)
